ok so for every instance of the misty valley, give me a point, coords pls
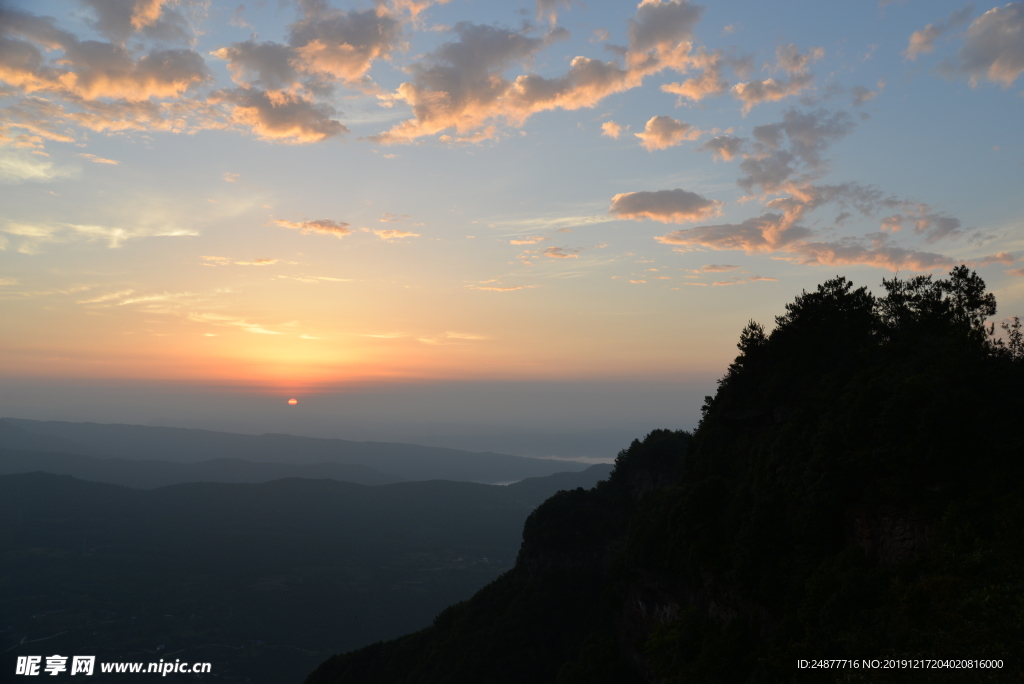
(265, 580)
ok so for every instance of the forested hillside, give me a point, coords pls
(854, 490)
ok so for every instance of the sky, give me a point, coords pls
(471, 223)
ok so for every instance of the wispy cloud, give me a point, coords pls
(230, 321)
(392, 234)
(34, 235)
(338, 229)
(97, 160)
(451, 337)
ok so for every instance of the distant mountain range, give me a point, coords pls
(174, 455)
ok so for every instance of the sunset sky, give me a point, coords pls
(499, 210)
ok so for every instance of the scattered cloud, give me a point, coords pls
(667, 206)
(718, 268)
(530, 240)
(561, 253)
(230, 177)
(461, 85)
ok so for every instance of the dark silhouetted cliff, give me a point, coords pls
(854, 490)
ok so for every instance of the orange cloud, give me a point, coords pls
(146, 12)
(779, 234)
(118, 20)
(725, 147)
(993, 48)
(611, 129)
(107, 70)
(765, 233)
(1000, 258)
(667, 206)
(280, 116)
(561, 253)
(343, 45)
(844, 253)
(531, 240)
(709, 82)
(326, 45)
(770, 90)
(662, 132)
(338, 229)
